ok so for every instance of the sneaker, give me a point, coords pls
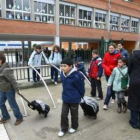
(98, 99)
(55, 83)
(52, 80)
(61, 134)
(71, 130)
(112, 101)
(4, 120)
(18, 122)
(105, 107)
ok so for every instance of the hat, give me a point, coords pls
(79, 59)
(38, 47)
(67, 61)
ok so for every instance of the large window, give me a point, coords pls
(85, 16)
(100, 19)
(125, 20)
(18, 9)
(114, 21)
(44, 10)
(134, 25)
(0, 9)
(67, 13)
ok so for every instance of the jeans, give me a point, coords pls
(96, 83)
(10, 96)
(110, 93)
(74, 116)
(121, 98)
(135, 119)
(36, 76)
(54, 74)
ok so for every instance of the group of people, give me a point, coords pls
(122, 73)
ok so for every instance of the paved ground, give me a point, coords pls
(108, 126)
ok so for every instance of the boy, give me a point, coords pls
(95, 73)
(73, 90)
(8, 88)
(35, 60)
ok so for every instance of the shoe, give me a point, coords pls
(18, 122)
(71, 130)
(55, 83)
(119, 109)
(112, 101)
(105, 107)
(34, 82)
(124, 107)
(4, 120)
(52, 80)
(61, 134)
(98, 99)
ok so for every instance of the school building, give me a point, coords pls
(71, 23)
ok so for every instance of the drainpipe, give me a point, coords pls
(108, 27)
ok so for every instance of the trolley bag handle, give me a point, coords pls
(23, 98)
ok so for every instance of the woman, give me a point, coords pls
(55, 59)
(134, 89)
(110, 61)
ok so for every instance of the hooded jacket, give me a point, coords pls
(7, 79)
(124, 53)
(73, 86)
(110, 61)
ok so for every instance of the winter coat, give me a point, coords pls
(96, 69)
(110, 61)
(124, 53)
(81, 67)
(7, 79)
(115, 78)
(134, 86)
(73, 87)
(36, 58)
(55, 58)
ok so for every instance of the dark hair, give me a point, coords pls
(56, 47)
(95, 52)
(123, 59)
(112, 44)
(120, 43)
(38, 47)
(68, 61)
(2, 57)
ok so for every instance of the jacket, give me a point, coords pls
(124, 53)
(110, 61)
(55, 58)
(36, 58)
(81, 67)
(115, 78)
(73, 86)
(134, 86)
(7, 79)
(96, 69)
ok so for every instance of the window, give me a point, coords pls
(100, 19)
(125, 20)
(44, 12)
(18, 9)
(114, 21)
(85, 16)
(134, 25)
(67, 13)
(0, 9)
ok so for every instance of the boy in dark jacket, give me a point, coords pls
(73, 90)
(95, 73)
(8, 88)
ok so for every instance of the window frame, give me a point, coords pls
(1, 8)
(125, 28)
(135, 29)
(114, 26)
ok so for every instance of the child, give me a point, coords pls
(8, 88)
(55, 59)
(73, 90)
(115, 79)
(80, 65)
(35, 60)
(95, 73)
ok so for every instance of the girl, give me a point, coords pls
(115, 79)
(55, 59)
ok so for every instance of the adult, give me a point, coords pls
(134, 89)
(109, 63)
(123, 51)
(55, 59)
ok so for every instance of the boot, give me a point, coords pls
(119, 108)
(124, 107)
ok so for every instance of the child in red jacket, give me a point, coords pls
(95, 74)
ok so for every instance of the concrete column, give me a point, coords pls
(120, 22)
(70, 49)
(130, 24)
(93, 17)
(77, 15)
(3, 3)
(57, 36)
(32, 10)
(108, 19)
(137, 45)
(23, 53)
